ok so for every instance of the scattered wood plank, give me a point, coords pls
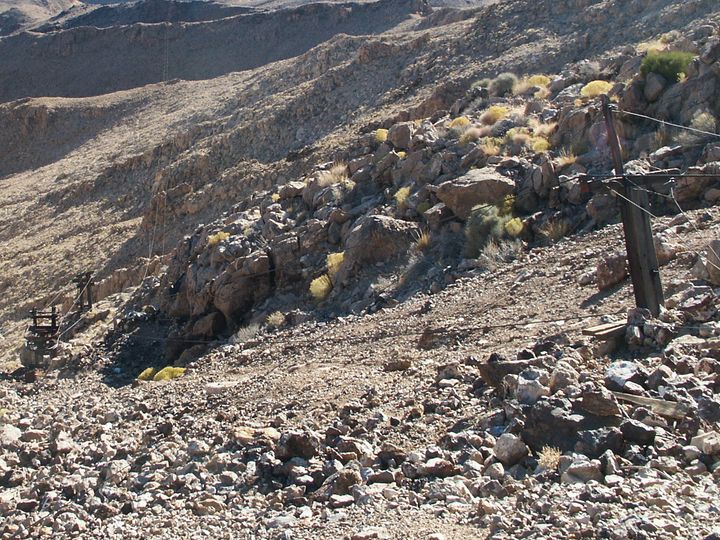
(606, 331)
(668, 409)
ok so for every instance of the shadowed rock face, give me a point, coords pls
(89, 61)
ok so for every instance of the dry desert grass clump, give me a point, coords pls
(596, 88)
(275, 319)
(334, 175)
(320, 288)
(401, 195)
(566, 158)
(494, 114)
(334, 262)
(218, 237)
(471, 135)
(549, 458)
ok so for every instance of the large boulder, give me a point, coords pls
(510, 449)
(300, 444)
(690, 188)
(376, 239)
(611, 270)
(552, 421)
(479, 186)
(654, 86)
(400, 135)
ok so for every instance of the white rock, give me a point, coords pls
(563, 376)
(691, 452)
(9, 435)
(215, 388)
(371, 533)
(529, 391)
(708, 443)
(581, 471)
(340, 501)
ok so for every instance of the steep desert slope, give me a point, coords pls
(79, 175)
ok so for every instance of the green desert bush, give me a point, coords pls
(494, 114)
(540, 145)
(459, 122)
(524, 84)
(673, 65)
(485, 225)
(147, 374)
(491, 146)
(514, 227)
(507, 205)
(458, 126)
(482, 83)
(503, 84)
(423, 207)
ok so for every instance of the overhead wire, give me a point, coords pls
(648, 212)
(690, 221)
(665, 122)
(63, 316)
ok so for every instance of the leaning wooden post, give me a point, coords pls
(642, 259)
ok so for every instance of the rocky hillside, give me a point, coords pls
(342, 282)
(91, 60)
(226, 137)
(18, 14)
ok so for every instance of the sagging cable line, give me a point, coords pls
(665, 122)
(648, 212)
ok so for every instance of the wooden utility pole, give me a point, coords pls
(642, 259)
(84, 283)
